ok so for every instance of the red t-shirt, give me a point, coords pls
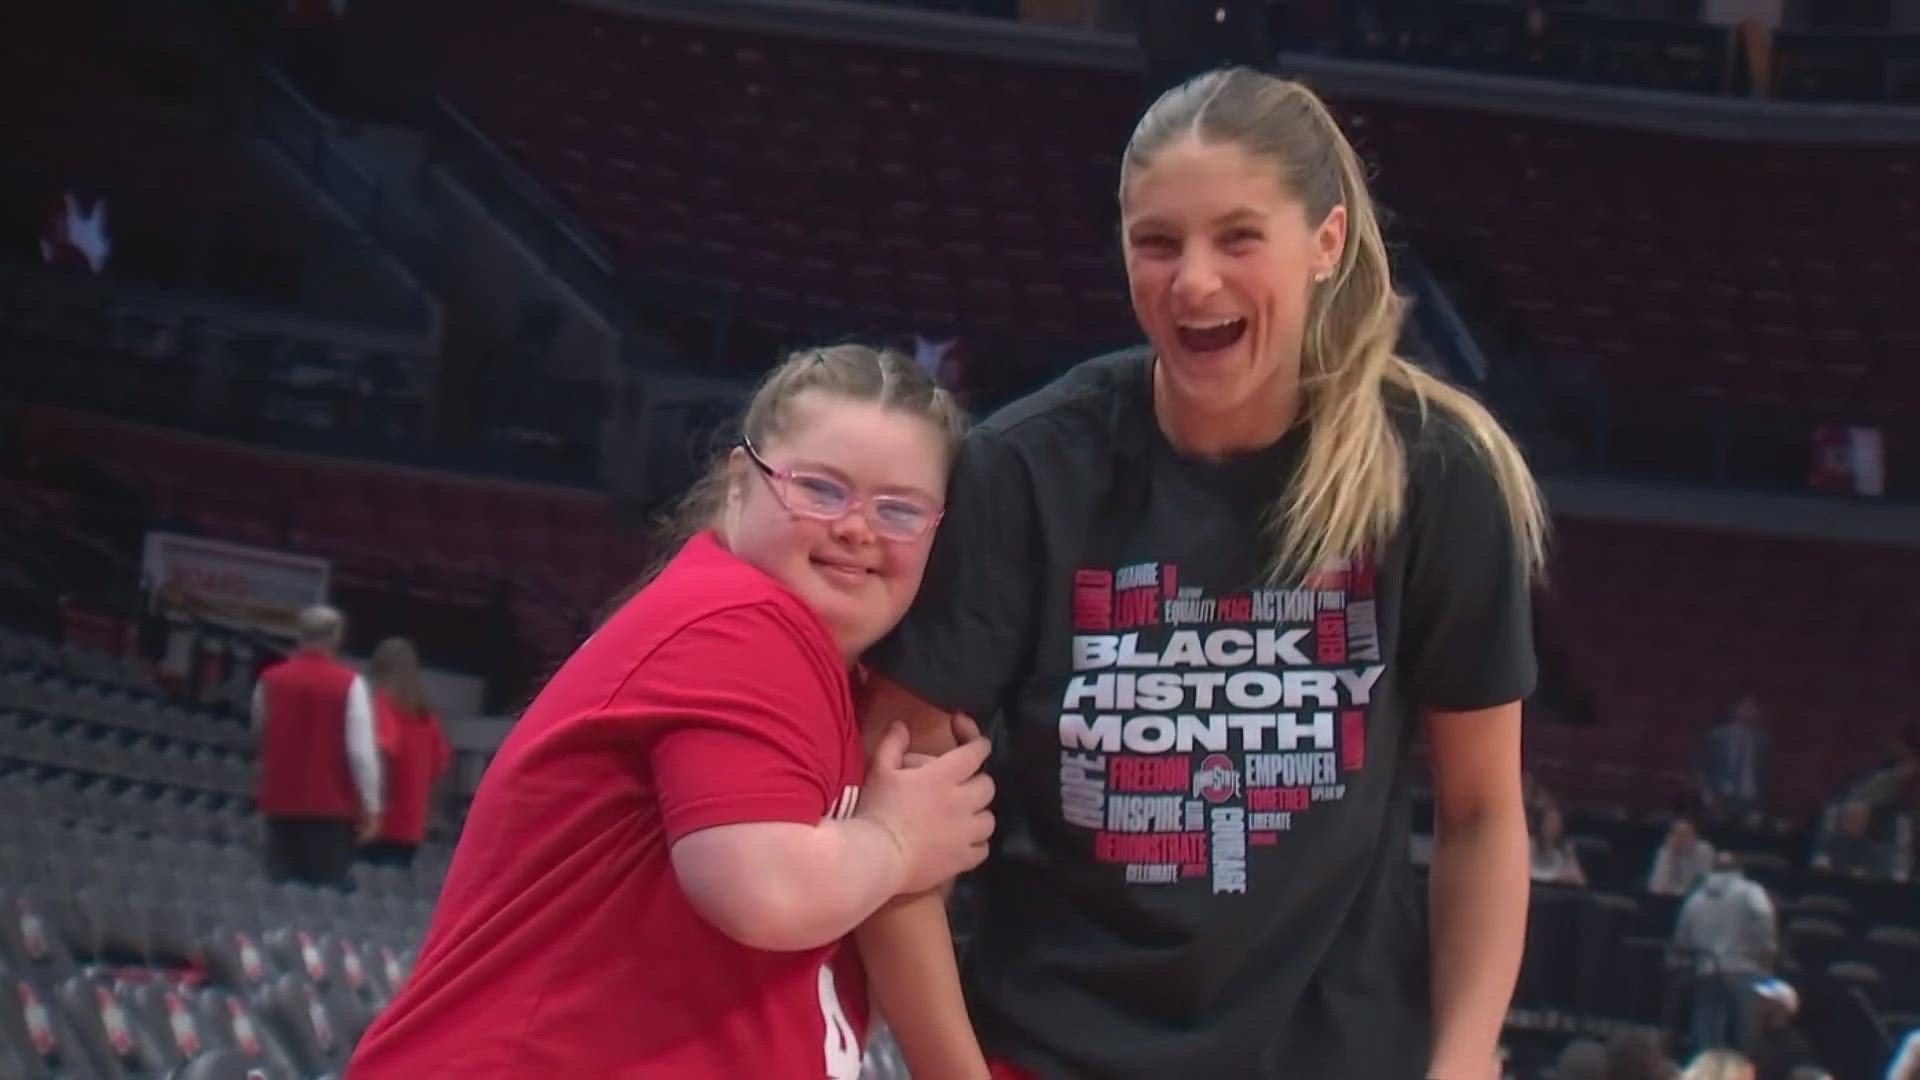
(414, 752)
(562, 945)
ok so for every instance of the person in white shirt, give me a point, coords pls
(1730, 929)
(1682, 861)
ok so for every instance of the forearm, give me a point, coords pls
(914, 979)
(786, 887)
(1478, 897)
(913, 976)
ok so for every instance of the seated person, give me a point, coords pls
(1554, 860)
(1683, 859)
(1848, 846)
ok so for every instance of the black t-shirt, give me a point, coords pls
(1202, 864)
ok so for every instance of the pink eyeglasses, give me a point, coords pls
(823, 498)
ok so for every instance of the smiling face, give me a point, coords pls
(1221, 264)
(827, 509)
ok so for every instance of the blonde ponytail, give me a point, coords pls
(1348, 494)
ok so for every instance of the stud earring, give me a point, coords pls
(1321, 277)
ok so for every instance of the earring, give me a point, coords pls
(1321, 277)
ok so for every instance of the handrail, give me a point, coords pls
(1436, 309)
(569, 249)
(307, 137)
(522, 186)
(48, 287)
(329, 164)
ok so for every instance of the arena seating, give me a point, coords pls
(138, 931)
(1669, 625)
(1673, 623)
(147, 355)
(93, 104)
(1731, 272)
(139, 938)
(920, 189)
(901, 188)
(1850, 945)
(549, 553)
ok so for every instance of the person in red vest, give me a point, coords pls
(319, 783)
(413, 751)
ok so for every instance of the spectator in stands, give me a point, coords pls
(1554, 859)
(1719, 1065)
(1252, 475)
(1775, 1044)
(76, 234)
(659, 866)
(1734, 762)
(1581, 1059)
(1728, 929)
(1847, 846)
(319, 785)
(1869, 833)
(1750, 27)
(946, 357)
(413, 750)
(1683, 859)
(1636, 1054)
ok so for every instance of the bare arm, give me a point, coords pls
(1479, 886)
(907, 946)
(785, 887)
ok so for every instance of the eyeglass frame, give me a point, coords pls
(778, 481)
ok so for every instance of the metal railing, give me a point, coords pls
(1620, 50)
(558, 239)
(287, 120)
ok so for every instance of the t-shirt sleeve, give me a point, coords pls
(1468, 639)
(969, 634)
(743, 723)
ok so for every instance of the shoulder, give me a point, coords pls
(1440, 443)
(1453, 482)
(705, 582)
(1057, 436)
(726, 658)
(1081, 397)
(773, 624)
(708, 604)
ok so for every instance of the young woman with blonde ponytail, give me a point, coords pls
(1217, 587)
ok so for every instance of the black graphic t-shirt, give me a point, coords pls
(1202, 864)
